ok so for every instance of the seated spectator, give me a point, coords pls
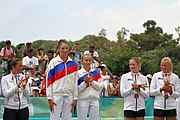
(34, 78)
(114, 87)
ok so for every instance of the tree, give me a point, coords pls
(121, 38)
(103, 32)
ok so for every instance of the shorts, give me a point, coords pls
(133, 114)
(164, 113)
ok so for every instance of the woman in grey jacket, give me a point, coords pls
(15, 92)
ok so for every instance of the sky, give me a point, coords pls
(24, 21)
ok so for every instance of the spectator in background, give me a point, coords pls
(106, 79)
(165, 87)
(16, 92)
(29, 60)
(43, 85)
(89, 84)
(42, 58)
(50, 55)
(134, 89)
(78, 54)
(7, 54)
(62, 89)
(149, 77)
(113, 87)
(24, 52)
(35, 81)
(72, 55)
(95, 56)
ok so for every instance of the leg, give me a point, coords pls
(23, 114)
(128, 118)
(66, 110)
(139, 118)
(55, 115)
(171, 118)
(9, 114)
(158, 118)
(94, 110)
(82, 109)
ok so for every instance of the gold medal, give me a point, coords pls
(136, 96)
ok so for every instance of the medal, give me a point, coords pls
(136, 96)
(16, 99)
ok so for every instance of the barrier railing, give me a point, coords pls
(109, 107)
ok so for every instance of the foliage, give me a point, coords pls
(151, 45)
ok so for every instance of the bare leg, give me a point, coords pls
(139, 118)
(171, 118)
(158, 118)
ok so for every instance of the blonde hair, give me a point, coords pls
(137, 60)
(168, 59)
(86, 55)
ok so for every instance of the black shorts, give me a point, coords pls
(164, 113)
(133, 114)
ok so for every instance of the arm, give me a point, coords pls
(7, 92)
(110, 93)
(176, 92)
(154, 91)
(125, 91)
(144, 91)
(97, 85)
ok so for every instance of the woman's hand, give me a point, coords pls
(51, 104)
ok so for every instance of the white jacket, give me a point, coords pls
(9, 88)
(156, 83)
(130, 102)
(92, 91)
(62, 78)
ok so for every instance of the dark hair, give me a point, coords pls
(72, 53)
(51, 51)
(8, 42)
(14, 62)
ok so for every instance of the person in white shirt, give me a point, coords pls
(134, 89)
(29, 60)
(165, 87)
(62, 88)
(89, 86)
(16, 92)
(95, 56)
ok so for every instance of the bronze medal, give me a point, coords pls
(136, 96)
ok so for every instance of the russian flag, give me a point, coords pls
(59, 71)
(96, 76)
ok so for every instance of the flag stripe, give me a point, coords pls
(59, 71)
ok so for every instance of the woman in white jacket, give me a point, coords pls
(165, 88)
(134, 89)
(15, 92)
(89, 86)
(62, 89)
